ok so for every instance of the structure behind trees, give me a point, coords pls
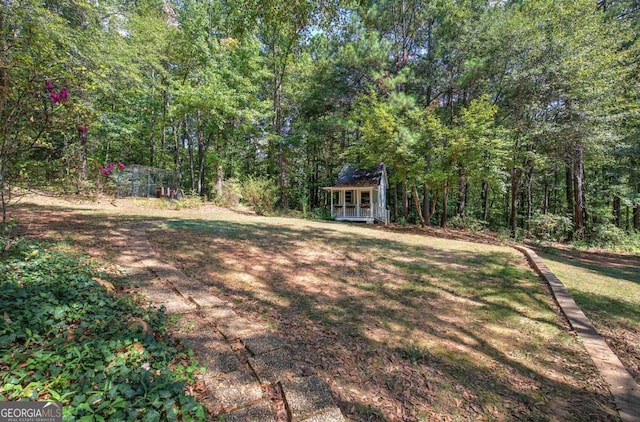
(143, 181)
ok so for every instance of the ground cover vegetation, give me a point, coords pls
(66, 336)
(520, 116)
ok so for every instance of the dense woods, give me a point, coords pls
(514, 115)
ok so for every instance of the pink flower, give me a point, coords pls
(55, 98)
(64, 94)
(82, 129)
(105, 171)
(48, 85)
(110, 167)
(120, 165)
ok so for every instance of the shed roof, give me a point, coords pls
(350, 176)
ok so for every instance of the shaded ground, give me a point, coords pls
(402, 327)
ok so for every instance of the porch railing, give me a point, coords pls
(352, 211)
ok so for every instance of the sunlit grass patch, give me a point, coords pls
(608, 291)
(400, 323)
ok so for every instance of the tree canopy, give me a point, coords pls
(518, 115)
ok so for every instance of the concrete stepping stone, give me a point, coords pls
(220, 313)
(261, 412)
(274, 366)
(261, 343)
(309, 397)
(236, 327)
(234, 390)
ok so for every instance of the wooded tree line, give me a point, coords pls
(518, 114)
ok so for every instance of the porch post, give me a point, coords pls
(331, 194)
(371, 205)
(343, 196)
(358, 199)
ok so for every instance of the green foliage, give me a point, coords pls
(65, 338)
(260, 194)
(231, 194)
(186, 201)
(609, 236)
(449, 95)
(321, 213)
(550, 227)
(466, 223)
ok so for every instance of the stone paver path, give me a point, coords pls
(243, 360)
(624, 388)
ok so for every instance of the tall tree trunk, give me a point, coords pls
(152, 123)
(516, 174)
(568, 178)
(578, 189)
(484, 197)
(405, 199)
(395, 201)
(617, 210)
(636, 212)
(416, 200)
(219, 180)
(177, 157)
(554, 202)
(201, 152)
(462, 196)
(434, 203)
(426, 205)
(277, 126)
(163, 129)
(82, 176)
(445, 198)
(4, 194)
(546, 198)
(529, 195)
(190, 148)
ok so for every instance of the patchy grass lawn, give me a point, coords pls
(401, 326)
(607, 288)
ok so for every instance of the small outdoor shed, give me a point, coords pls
(360, 195)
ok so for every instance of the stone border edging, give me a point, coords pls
(624, 388)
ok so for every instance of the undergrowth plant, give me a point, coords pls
(63, 337)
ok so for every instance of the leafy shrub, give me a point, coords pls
(550, 227)
(260, 194)
(231, 194)
(186, 201)
(321, 213)
(609, 236)
(64, 338)
(466, 223)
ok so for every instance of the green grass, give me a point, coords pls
(611, 290)
(64, 338)
(607, 289)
